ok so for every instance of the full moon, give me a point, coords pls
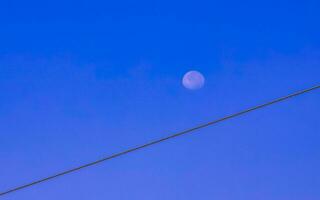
(193, 80)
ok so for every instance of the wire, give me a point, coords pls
(159, 140)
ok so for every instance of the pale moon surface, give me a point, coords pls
(193, 80)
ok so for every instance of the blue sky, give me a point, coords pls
(83, 79)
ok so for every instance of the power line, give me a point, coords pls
(160, 140)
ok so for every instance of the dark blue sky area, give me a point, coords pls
(83, 79)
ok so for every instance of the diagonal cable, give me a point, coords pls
(130, 150)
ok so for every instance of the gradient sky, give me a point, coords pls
(83, 79)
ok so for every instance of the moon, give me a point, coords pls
(193, 80)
